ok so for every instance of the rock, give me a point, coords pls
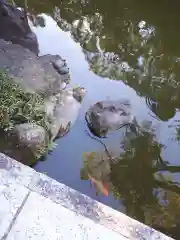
(14, 27)
(41, 88)
(60, 66)
(105, 116)
(31, 142)
(30, 135)
(34, 74)
(37, 20)
(43, 80)
(63, 114)
(25, 142)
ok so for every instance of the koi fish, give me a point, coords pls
(103, 187)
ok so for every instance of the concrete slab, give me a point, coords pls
(12, 171)
(15, 171)
(44, 219)
(64, 195)
(98, 212)
(12, 198)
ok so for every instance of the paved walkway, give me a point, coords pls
(34, 206)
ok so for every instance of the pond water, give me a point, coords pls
(121, 49)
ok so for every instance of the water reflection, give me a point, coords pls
(132, 51)
(139, 50)
(138, 178)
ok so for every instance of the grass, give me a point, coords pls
(18, 106)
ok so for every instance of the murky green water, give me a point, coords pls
(137, 45)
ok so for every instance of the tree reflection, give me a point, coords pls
(133, 174)
(141, 180)
(123, 40)
(130, 45)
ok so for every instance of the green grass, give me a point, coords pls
(18, 106)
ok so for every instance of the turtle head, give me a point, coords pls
(79, 93)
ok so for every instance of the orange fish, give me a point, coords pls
(103, 187)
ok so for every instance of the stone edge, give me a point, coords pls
(76, 201)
